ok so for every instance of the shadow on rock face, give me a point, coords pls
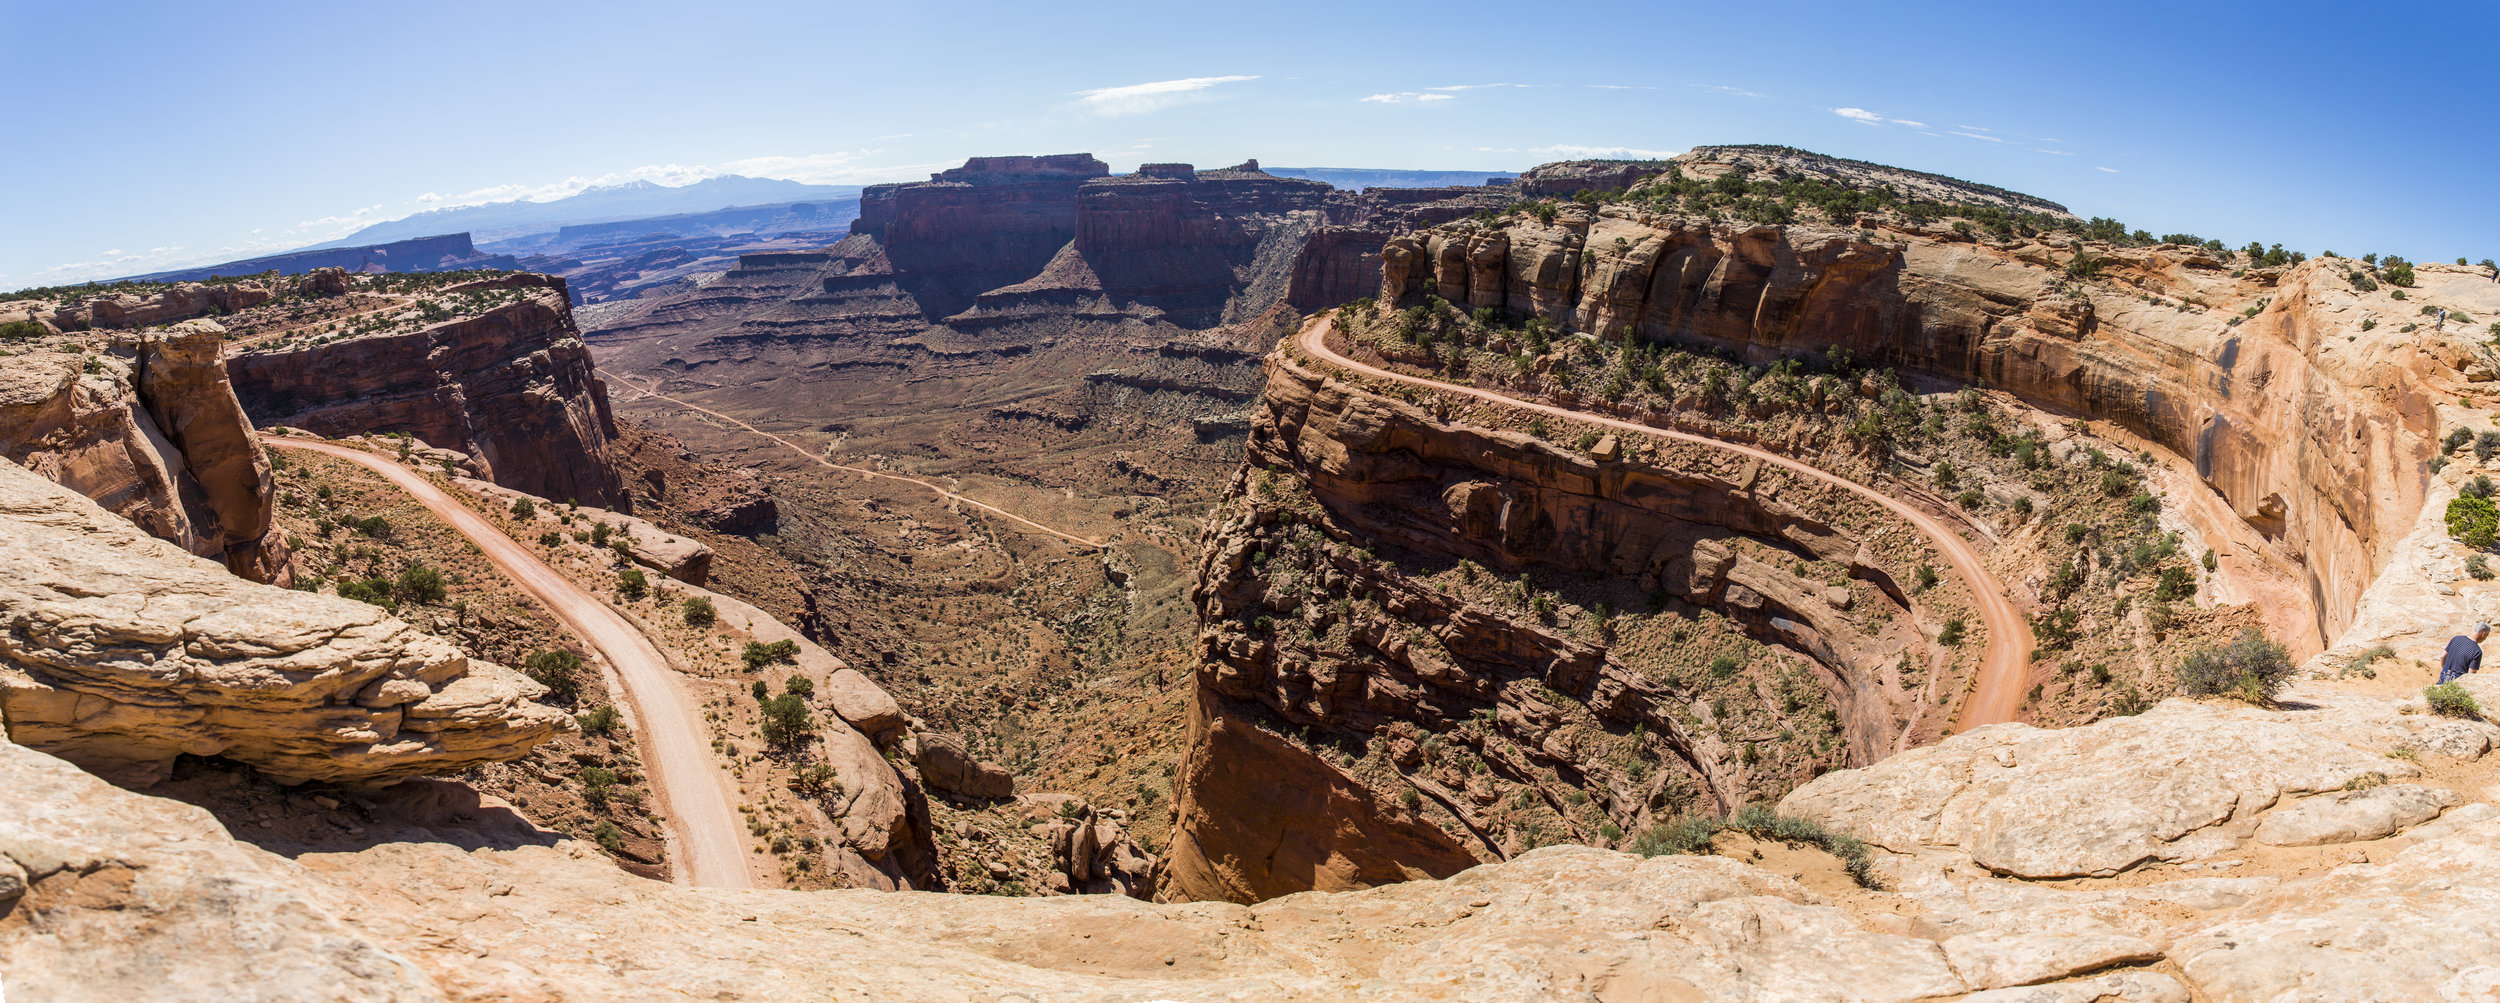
(318, 818)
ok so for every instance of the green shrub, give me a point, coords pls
(2473, 520)
(19, 330)
(523, 508)
(786, 720)
(1951, 635)
(2476, 566)
(373, 525)
(1971, 499)
(369, 590)
(816, 779)
(2451, 700)
(2251, 668)
(2210, 561)
(1692, 835)
(1925, 576)
(610, 838)
(2176, 583)
(421, 584)
(697, 611)
(758, 655)
(598, 783)
(762, 690)
(2486, 445)
(1724, 666)
(551, 538)
(599, 532)
(799, 686)
(556, 669)
(633, 584)
(2455, 437)
(599, 721)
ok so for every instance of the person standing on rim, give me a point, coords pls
(2465, 654)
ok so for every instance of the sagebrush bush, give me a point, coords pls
(758, 655)
(2252, 668)
(2451, 700)
(1692, 834)
(698, 611)
(2474, 521)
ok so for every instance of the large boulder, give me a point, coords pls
(948, 765)
(2182, 781)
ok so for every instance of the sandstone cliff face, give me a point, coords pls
(2309, 433)
(514, 387)
(123, 652)
(152, 431)
(1365, 647)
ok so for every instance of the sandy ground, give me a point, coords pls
(691, 789)
(2003, 664)
(821, 461)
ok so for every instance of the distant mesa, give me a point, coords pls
(444, 253)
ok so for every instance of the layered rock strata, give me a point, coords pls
(151, 430)
(2308, 433)
(123, 652)
(1355, 600)
(513, 387)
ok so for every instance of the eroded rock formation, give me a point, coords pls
(122, 652)
(150, 429)
(2309, 433)
(1356, 594)
(512, 386)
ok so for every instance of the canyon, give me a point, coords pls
(1750, 574)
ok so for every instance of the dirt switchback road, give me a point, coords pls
(691, 789)
(821, 461)
(2003, 664)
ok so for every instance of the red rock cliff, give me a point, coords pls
(514, 387)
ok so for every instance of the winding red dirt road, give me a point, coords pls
(689, 785)
(821, 461)
(2003, 663)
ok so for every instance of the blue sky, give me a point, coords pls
(152, 135)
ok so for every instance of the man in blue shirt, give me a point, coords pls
(2465, 654)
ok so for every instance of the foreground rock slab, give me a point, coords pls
(121, 652)
(2181, 782)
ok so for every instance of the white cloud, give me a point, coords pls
(1733, 91)
(2111, 170)
(1865, 117)
(1138, 99)
(2054, 153)
(1474, 87)
(1974, 135)
(1405, 97)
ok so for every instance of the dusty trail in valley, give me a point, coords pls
(2003, 664)
(821, 461)
(690, 787)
